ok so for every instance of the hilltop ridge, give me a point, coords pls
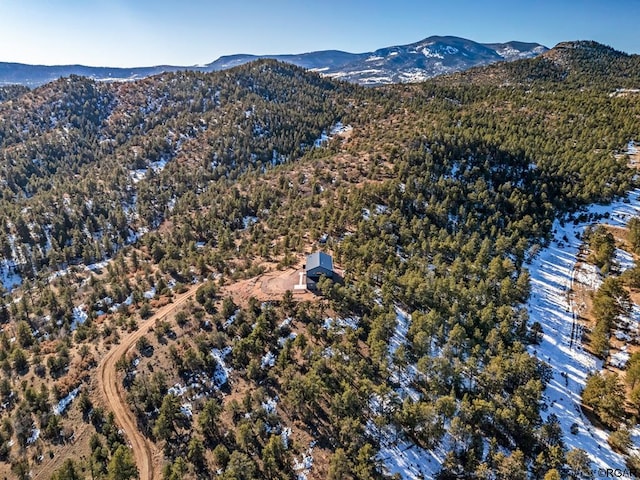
(397, 64)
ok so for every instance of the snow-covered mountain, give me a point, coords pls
(428, 58)
(397, 64)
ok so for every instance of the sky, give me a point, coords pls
(127, 33)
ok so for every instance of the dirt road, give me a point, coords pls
(146, 455)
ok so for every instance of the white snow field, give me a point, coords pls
(552, 272)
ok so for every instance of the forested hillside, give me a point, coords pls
(431, 197)
(573, 64)
(76, 151)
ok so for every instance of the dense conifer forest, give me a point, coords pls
(117, 198)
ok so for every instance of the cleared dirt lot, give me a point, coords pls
(269, 287)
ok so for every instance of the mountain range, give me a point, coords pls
(153, 231)
(415, 62)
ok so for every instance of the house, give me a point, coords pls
(318, 264)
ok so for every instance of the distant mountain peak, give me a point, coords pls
(432, 56)
(435, 55)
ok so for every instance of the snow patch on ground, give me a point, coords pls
(149, 294)
(404, 376)
(221, 373)
(187, 410)
(624, 260)
(620, 358)
(79, 316)
(270, 405)
(399, 337)
(9, 277)
(338, 325)
(589, 275)
(268, 360)
(229, 321)
(285, 436)
(64, 403)
(397, 453)
(338, 129)
(177, 390)
(138, 175)
(379, 210)
(552, 273)
(94, 267)
(286, 322)
(283, 340)
(248, 221)
(304, 464)
(58, 274)
(413, 75)
(628, 326)
(141, 173)
(402, 457)
(35, 434)
(429, 54)
(127, 301)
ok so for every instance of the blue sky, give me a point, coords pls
(145, 32)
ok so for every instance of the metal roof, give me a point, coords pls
(319, 259)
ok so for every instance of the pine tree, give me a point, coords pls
(208, 420)
(68, 471)
(121, 466)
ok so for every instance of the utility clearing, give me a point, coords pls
(553, 273)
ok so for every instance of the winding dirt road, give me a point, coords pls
(146, 455)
